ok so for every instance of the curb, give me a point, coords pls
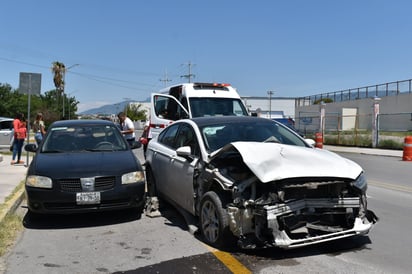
(13, 202)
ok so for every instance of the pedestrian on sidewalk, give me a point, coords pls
(39, 128)
(20, 133)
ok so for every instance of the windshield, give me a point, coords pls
(218, 135)
(201, 107)
(83, 138)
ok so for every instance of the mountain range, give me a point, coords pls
(109, 109)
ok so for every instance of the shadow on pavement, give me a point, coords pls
(40, 221)
(333, 248)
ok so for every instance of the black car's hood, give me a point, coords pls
(90, 164)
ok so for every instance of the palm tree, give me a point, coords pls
(58, 70)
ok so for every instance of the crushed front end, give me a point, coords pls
(291, 212)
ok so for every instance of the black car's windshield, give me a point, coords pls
(218, 135)
(83, 138)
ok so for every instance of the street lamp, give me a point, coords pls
(270, 93)
(64, 84)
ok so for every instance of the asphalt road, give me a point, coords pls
(125, 243)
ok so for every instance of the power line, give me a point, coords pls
(165, 79)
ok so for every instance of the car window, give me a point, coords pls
(187, 137)
(6, 125)
(168, 135)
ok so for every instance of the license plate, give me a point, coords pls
(86, 198)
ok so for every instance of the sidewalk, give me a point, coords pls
(12, 175)
(10, 178)
(361, 150)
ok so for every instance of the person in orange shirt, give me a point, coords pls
(20, 133)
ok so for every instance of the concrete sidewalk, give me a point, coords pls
(10, 178)
(12, 175)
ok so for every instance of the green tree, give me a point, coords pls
(325, 100)
(135, 112)
(13, 102)
(58, 69)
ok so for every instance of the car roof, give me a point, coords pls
(203, 121)
(5, 118)
(71, 123)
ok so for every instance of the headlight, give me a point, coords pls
(39, 181)
(361, 182)
(132, 177)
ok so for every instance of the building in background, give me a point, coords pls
(275, 107)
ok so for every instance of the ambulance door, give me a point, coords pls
(164, 110)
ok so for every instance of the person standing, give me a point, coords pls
(20, 133)
(127, 128)
(146, 137)
(39, 128)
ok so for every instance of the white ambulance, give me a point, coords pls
(191, 100)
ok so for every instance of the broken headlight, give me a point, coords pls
(361, 183)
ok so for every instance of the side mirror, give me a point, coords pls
(184, 151)
(310, 142)
(30, 147)
(135, 145)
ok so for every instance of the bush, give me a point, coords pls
(390, 144)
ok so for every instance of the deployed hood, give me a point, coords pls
(273, 161)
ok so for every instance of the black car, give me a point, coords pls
(82, 166)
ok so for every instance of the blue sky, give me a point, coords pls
(124, 48)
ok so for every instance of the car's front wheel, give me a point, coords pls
(214, 220)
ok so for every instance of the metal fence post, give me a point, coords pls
(375, 116)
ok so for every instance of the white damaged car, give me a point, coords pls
(255, 181)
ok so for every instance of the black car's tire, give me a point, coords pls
(151, 183)
(214, 223)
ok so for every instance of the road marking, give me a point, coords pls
(391, 186)
(229, 261)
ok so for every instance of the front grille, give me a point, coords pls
(73, 185)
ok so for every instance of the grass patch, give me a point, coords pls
(11, 225)
(10, 228)
(390, 144)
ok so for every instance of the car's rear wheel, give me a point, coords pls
(214, 221)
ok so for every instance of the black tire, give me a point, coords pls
(151, 183)
(214, 223)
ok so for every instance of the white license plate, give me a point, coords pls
(85, 198)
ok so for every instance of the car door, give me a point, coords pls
(173, 173)
(163, 150)
(182, 169)
(6, 129)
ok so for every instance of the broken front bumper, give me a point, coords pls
(301, 222)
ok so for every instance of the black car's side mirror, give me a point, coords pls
(30, 147)
(136, 144)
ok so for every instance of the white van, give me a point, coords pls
(191, 100)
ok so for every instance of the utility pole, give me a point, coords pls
(189, 75)
(165, 80)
